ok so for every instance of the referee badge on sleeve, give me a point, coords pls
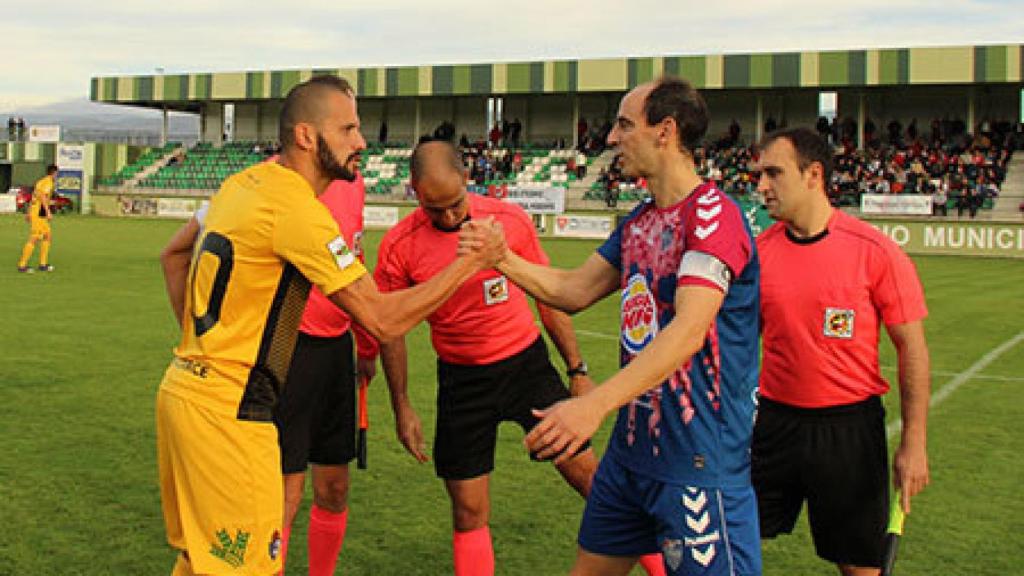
(342, 255)
(495, 290)
(838, 323)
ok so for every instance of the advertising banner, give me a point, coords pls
(579, 226)
(71, 156)
(69, 182)
(44, 133)
(915, 204)
(380, 216)
(538, 199)
(8, 203)
(963, 239)
(137, 206)
(533, 199)
(176, 207)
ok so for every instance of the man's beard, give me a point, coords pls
(329, 165)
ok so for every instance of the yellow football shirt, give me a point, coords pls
(41, 193)
(264, 239)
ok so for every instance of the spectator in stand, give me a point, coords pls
(967, 202)
(494, 138)
(869, 131)
(895, 132)
(515, 131)
(939, 200)
(12, 128)
(581, 130)
(822, 127)
(382, 136)
(734, 132)
(581, 165)
(770, 125)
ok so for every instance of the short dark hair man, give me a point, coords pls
(675, 477)
(828, 283)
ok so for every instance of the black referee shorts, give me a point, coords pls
(834, 458)
(315, 414)
(473, 400)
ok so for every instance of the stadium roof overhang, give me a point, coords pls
(845, 69)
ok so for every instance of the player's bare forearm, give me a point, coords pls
(388, 315)
(914, 379)
(175, 260)
(566, 425)
(366, 345)
(911, 471)
(567, 290)
(394, 359)
(394, 362)
(558, 325)
(696, 307)
(176, 278)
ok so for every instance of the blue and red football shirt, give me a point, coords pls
(696, 426)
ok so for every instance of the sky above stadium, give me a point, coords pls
(52, 49)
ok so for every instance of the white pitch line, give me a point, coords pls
(940, 373)
(600, 335)
(960, 379)
(946, 373)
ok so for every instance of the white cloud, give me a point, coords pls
(53, 49)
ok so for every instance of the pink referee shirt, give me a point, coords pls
(345, 201)
(822, 306)
(488, 318)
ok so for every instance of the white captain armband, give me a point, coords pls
(707, 267)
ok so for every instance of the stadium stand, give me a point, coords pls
(138, 169)
(969, 173)
(203, 167)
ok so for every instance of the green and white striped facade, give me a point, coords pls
(983, 81)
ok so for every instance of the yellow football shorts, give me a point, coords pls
(39, 228)
(221, 488)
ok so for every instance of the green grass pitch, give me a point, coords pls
(84, 348)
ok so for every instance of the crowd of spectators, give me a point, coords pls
(485, 164)
(967, 174)
(943, 132)
(958, 169)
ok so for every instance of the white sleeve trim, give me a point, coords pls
(200, 214)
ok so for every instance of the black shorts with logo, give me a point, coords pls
(315, 414)
(473, 400)
(834, 458)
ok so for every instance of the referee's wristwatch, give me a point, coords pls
(580, 369)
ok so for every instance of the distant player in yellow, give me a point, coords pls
(263, 241)
(38, 215)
